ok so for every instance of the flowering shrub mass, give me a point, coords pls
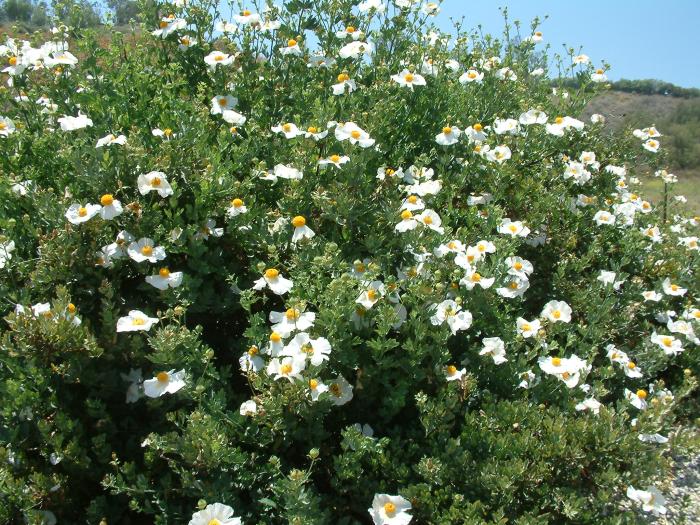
(323, 264)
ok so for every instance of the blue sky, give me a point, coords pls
(639, 38)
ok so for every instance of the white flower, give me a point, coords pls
(145, 250)
(154, 181)
(135, 321)
(565, 369)
(503, 126)
(453, 374)
(368, 5)
(165, 279)
(238, 207)
(313, 132)
(591, 404)
(169, 25)
(608, 279)
(110, 140)
(506, 73)
(637, 399)
(111, 207)
(247, 18)
(557, 311)
(274, 280)
(7, 127)
(292, 48)
(581, 59)
(449, 136)
(335, 160)
(218, 58)
(369, 297)
(289, 130)
(302, 346)
(233, 117)
(345, 85)
(77, 213)
(599, 76)
(73, 123)
(533, 116)
(668, 343)
(494, 347)
(301, 230)
(471, 75)
(499, 154)
(209, 229)
(408, 79)
(164, 383)
(280, 171)
(355, 134)
(6, 249)
(355, 49)
(528, 379)
(431, 219)
(248, 408)
(472, 278)
(650, 499)
(652, 438)
(673, 289)
(292, 320)
(513, 228)
(448, 310)
(516, 287)
(651, 295)
(221, 103)
(390, 510)
(340, 391)
(652, 145)
(528, 328)
(251, 361)
(133, 391)
(287, 368)
(603, 217)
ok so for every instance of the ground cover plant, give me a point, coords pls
(323, 264)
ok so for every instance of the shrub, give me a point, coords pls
(435, 294)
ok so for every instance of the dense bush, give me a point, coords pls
(325, 259)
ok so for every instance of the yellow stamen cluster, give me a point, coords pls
(272, 273)
(237, 203)
(642, 394)
(107, 199)
(164, 273)
(82, 212)
(298, 221)
(147, 250)
(162, 377)
(286, 369)
(275, 337)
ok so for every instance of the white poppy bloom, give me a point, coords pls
(345, 85)
(471, 75)
(247, 18)
(557, 311)
(237, 207)
(652, 145)
(408, 79)
(248, 408)
(449, 136)
(340, 391)
(450, 312)
(472, 278)
(292, 48)
(316, 388)
(312, 132)
(408, 222)
(303, 346)
(78, 214)
(673, 289)
(499, 154)
(637, 399)
(355, 134)
(154, 181)
(251, 361)
(432, 220)
(209, 229)
(280, 171)
(74, 123)
(165, 279)
(599, 76)
(526, 328)
(7, 127)
(652, 438)
(603, 217)
(453, 374)
(355, 49)
(369, 297)
(513, 228)
(515, 287)
(111, 207)
(668, 343)
(110, 140)
(287, 368)
(494, 347)
(221, 103)
(6, 249)
(390, 510)
(168, 25)
(301, 230)
(533, 116)
(566, 369)
(218, 58)
(290, 321)
(289, 130)
(273, 279)
(335, 160)
(591, 404)
(506, 126)
(135, 321)
(145, 250)
(164, 383)
(651, 295)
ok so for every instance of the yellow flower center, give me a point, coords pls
(298, 221)
(389, 508)
(272, 273)
(3, 126)
(599, 71)
(359, 267)
(335, 158)
(222, 102)
(355, 134)
(313, 384)
(667, 341)
(518, 266)
(163, 24)
(214, 521)
(185, 41)
(513, 285)
(372, 294)
(245, 13)
(526, 327)
(556, 361)
(447, 130)
(167, 131)
(291, 42)
(451, 370)
(107, 199)
(253, 351)
(237, 203)
(408, 77)
(641, 394)
(287, 128)
(350, 29)
(155, 181)
(472, 74)
(219, 58)
(556, 314)
(162, 377)
(566, 375)
(13, 61)
(164, 273)
(674, 287)
(389, 172)
(275, 337)
(335, 389)
(312, 129)
(477, 127)
(286, 369)
(513, 228)
(292, 314)
(406, 214)
(476, 277)
(631, 365)
(82, 212)
(559, 120)
(71, 308)
(428, 219)
(412, 199)
(147, 250)
(538, 33)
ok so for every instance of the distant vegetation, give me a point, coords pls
(31, 15)
(647, 86)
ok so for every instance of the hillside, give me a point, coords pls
(676, 118)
